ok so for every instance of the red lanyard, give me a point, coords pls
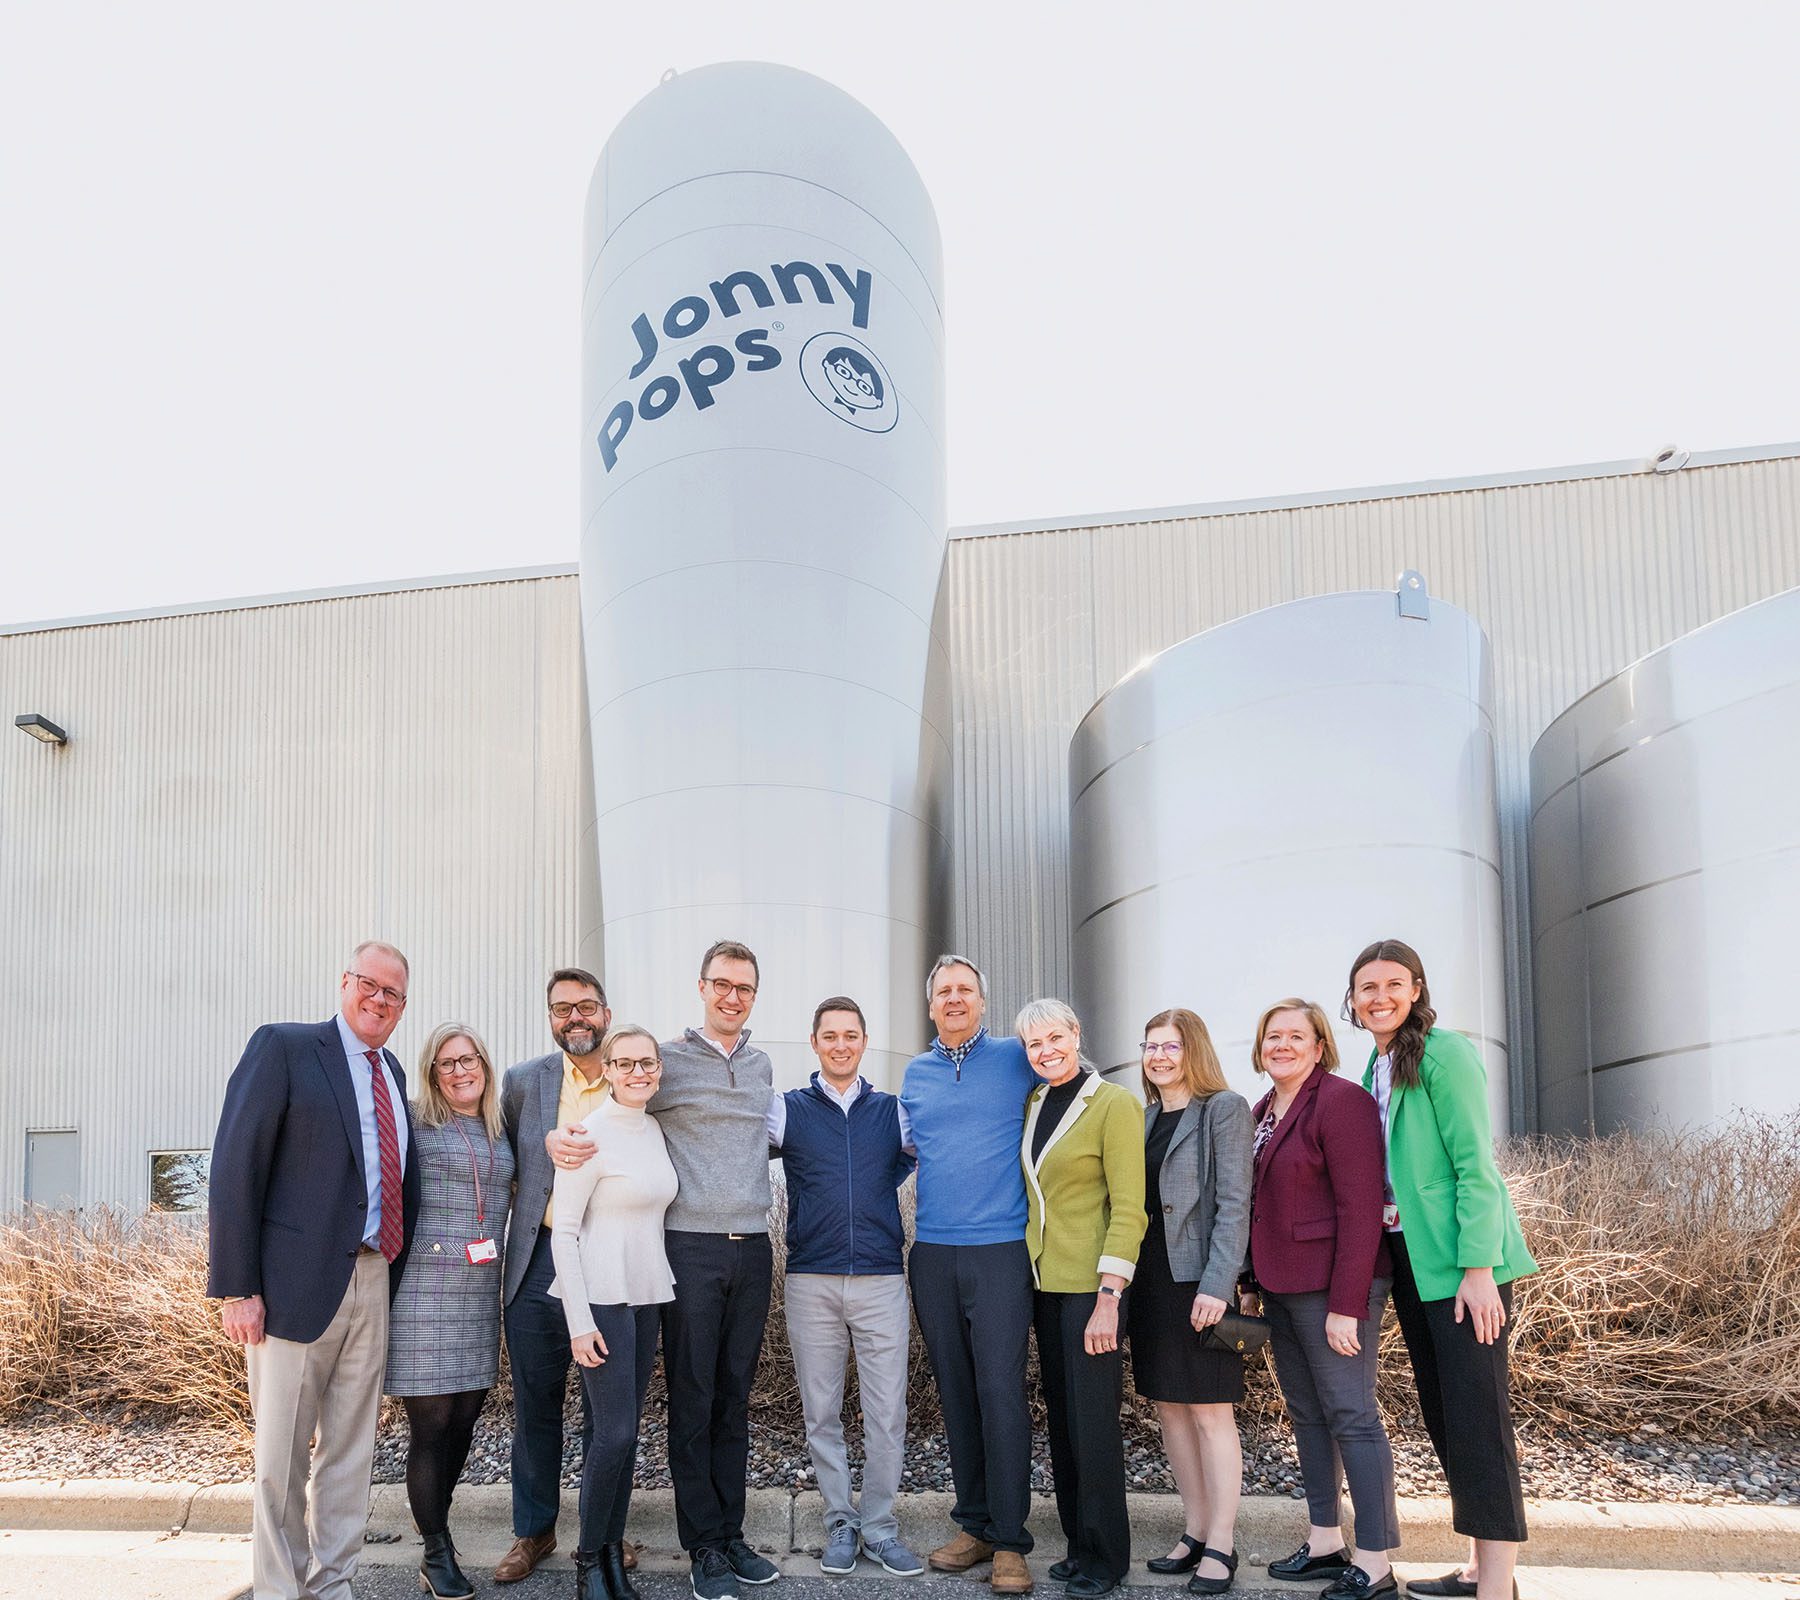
(475, 1172)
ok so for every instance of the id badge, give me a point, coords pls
(1390, 1216)
(482, 1251)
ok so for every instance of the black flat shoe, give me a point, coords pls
(1085, 1586)
(1355, 1584)
(1304, 1564)
(1452, 1583)
(1181, 1563)
(1062, 1571)
(1200, 1585)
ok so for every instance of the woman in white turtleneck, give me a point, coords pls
(613, 1275)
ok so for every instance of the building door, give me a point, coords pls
(53, 1168)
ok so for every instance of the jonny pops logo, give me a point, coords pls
(850, 381)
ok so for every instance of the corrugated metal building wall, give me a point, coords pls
(248, 789)
(245, 794)
(1572, 575)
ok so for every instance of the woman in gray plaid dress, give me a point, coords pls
(444, 1328)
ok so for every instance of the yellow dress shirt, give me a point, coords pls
(578, 1098)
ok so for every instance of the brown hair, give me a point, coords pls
(1200, 1069)
(1321, 1027)
(574, 975)
(838, 1002)
(1407, 1051)
(731, 950)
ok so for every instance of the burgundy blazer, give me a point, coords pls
(1315, 1208)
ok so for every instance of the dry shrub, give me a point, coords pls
(1669, 1289)
(98, 1310)
(1669, 1281)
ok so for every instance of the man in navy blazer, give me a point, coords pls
(313, 1194)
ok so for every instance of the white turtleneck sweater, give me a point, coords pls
(607, 1231)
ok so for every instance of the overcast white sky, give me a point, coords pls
(290, 295)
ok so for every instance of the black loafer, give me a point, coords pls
(1304, 1564)
(1085, 1586)
(1062, 1571)
(1452, 1583)
(1185, 1562)
(1355, 1584)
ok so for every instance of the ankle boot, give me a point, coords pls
(590, 1576)
(618, 1583)
(439, 1575)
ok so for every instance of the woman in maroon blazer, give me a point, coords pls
(1319, 1259)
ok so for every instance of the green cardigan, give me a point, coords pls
(1454, 1208)
(1085, 1194)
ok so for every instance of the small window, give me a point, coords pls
(178, 1179)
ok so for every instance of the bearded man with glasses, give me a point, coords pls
(312, 1198)
(557, 1090)
(713, 1108)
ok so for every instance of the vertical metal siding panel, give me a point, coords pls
(1571, 581)
(244, 795)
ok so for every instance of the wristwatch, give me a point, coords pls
(1107, 1288)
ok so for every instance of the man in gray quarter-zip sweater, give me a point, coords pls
(713, 1109)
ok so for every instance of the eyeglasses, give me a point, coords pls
(723, 989)
(370, 988)
(453, 1065)
(1167, 1047)
(562, 1010)
(646, 1068)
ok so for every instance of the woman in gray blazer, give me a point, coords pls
(1197, 1191)
(444, 1328)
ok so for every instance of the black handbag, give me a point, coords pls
(1237, 1333)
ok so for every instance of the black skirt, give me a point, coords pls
(1169, 1361)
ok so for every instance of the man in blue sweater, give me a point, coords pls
(842, 1151)
(964, 1101)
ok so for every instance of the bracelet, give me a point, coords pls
(1107, 1288)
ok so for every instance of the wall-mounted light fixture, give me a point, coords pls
(40, 727)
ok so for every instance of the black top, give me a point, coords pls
(1051, 1110)
(1156, 1147)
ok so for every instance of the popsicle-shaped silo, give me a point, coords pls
(761, 552)
(1254, 805)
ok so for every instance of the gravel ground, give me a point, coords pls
(1760, 1468)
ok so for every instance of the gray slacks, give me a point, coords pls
(1331, 1403)
(825, 1317)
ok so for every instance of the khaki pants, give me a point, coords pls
(316, 1406)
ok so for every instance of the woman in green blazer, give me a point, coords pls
(1083, 1155)
(1456, 1247)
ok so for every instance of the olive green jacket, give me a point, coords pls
(1085, 1193)
(1454, 1208)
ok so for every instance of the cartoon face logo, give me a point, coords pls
(842, 374)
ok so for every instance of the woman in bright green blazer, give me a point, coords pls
(1457, 1248)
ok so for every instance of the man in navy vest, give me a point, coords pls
(842, 1147)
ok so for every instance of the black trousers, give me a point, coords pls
(1462, 1387)
(615, 1395)
(712, 1339)
(537, 1346)
(1087, 1450)
(973, 1302)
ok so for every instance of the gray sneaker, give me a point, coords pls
(894, 1557)
(841, 1542)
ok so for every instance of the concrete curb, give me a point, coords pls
(1642, 1535)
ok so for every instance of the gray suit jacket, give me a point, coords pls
(529, 1096)
(1205, 1184)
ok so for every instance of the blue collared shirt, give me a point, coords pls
(362, 1080)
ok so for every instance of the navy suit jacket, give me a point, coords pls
(288, 1202)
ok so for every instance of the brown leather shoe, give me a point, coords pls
(961, 1553)
(524, 1555)
(630, 1561)
(1011, 1575)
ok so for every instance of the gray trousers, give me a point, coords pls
(825, 1316)
(1331, 1403)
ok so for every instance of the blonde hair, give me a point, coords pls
(1201, 1073)
(1315, 1015)
(432, 1109)
(629, 1030)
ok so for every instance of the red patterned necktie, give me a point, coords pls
(387, 1139)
